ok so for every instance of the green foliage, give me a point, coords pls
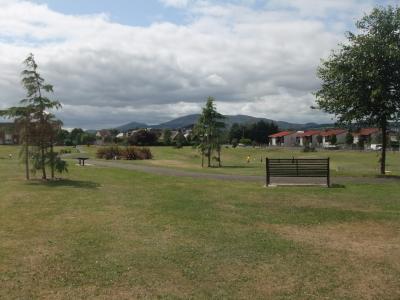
(361, 81)
(349, 139)
(209, 131)
(246, 142)
(143, 137)
(167, 137)
(308, 149)
(257, 132)
(333, 140)
(235, 142)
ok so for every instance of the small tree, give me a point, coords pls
(167, 134)
(361, 81)
(208, 131)
(349, 139)
(333, 140)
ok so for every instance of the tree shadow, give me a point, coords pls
(389, 177)
(240, 167)
(65, 183)
(337, 186)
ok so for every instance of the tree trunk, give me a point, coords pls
(27, 159)
(202, 158)
(43, 163)
(219, 156)
(209, 156)
(52, 159)
(384, 146)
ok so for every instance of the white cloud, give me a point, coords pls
(259, 62)
(175, 3)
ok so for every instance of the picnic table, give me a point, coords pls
(81, 160)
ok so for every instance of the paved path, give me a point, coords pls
(261, 179)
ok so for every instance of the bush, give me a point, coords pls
(309, 149)
(235, 142)
(127, 153)
(245, 141)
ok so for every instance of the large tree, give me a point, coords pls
(209, 132)
(361, 80)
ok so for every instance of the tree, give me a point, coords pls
(143, 137)
(333, 140)
(349, 139)
(361, 80)
(209, 131)
(167, 137)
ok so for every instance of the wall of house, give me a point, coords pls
(290, 140)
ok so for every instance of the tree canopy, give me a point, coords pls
(361, 80)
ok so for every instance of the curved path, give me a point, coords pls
(261, 179)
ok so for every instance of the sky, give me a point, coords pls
(113, 62)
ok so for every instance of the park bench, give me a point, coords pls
(81, 160)
(296, 168)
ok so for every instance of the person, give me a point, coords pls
(248, 159)
(10, 156)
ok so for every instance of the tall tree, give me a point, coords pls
(36, 87)
(209, 130)
(361, 80)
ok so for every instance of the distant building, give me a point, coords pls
(284, 139)
(8, 134)
(366, 135)
(327, 136)
(309, 138)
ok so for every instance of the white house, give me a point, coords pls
(285, 138)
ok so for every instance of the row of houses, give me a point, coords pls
(324, 138)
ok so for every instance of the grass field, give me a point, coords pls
(343, 163)
(106, 233)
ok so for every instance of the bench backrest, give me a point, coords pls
(298, 167)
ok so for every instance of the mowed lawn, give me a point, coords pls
(234, 161)
(107, 233)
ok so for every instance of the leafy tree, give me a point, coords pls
(209, 130)
(349, 139)
(62, 137)
(76, 136)
(235, 132)
(361, 80)
(167, 137)
(143, 137)
(333, 140)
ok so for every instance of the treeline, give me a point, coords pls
(255, 133)
(77, 136)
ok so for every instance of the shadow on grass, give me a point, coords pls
(337, 186)
(391, 177)
(66, 183)
(239, 167)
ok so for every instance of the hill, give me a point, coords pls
(189, 120)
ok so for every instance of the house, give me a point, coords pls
(309, 138)
(329, 134)
(366, 134)
(8, 134)
(102, 136)
(285, 138)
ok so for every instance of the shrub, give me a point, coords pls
(309, 149)
(245, 141)
(235, 142)
(128, 153)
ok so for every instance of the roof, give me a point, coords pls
(330, 132)
(310, 133)
(366, 131)
(281, 134)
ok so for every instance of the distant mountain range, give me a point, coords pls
(189, 120)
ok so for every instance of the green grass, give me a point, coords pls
(343, 163)
(116, 234)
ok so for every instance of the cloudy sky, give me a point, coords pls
(112, 62)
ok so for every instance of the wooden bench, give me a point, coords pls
(295, 168)
(81, 160)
